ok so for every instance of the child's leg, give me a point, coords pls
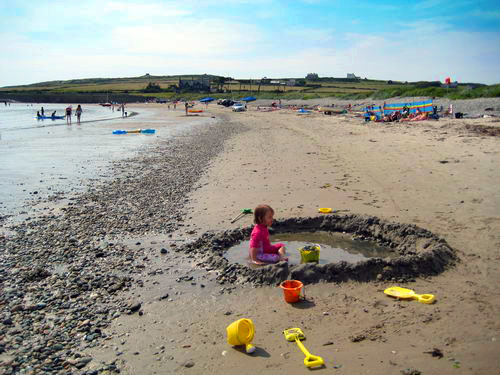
(275, 248)
(269, 258)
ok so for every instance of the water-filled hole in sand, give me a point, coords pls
(335, 247)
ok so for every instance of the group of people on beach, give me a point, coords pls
(78, 114)
(68, 112)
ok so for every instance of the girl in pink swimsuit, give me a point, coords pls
(261, 251)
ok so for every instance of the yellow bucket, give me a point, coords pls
(240, 332)
(309, 253)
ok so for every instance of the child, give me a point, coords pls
(261, 251)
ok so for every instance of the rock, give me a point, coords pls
(188, 364)
(165, 296)
(435, 352)
(410, 371)
(163, 251)
(134, 307)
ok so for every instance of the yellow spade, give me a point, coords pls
(296, 334)
(403, 293)
(325, 210)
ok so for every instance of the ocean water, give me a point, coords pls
(41, 157)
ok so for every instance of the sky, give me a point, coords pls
(400, 40)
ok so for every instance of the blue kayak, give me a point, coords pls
(50, 117)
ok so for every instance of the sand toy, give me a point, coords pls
(309, 253)
(291, 290)
(243, 212)
(296, 334)
(241, 332)
(134, 131)
(403, 293)
(325, 210)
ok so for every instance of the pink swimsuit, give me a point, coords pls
(259, 239)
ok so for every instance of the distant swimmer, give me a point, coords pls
(38, 114)
(53, 114)
(43, 112)
(78, 113)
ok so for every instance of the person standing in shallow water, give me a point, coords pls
(78, 113)
(186, 105)
(68, 115)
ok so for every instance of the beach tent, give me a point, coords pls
(423, 106)
(207, 100)
(249, 99)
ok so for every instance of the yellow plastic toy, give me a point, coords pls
(241, 332)
(296, 334)
(309, 253)
(325, 210)
(403, 293)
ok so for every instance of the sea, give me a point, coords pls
(40, 158)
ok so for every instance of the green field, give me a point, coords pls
(220, 87)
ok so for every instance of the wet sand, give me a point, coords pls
(438, 175)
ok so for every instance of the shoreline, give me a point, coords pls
(63, 157)
(201, 179)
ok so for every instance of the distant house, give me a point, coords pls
(290, 82)
(198, 84)
(352, 76)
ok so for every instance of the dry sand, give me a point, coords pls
(437, 175)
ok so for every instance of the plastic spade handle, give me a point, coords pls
(425, 298)
(310, 360)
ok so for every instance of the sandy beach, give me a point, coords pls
(97, 286)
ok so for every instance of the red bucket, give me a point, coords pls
(291, 290)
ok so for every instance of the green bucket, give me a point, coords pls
(309, 253)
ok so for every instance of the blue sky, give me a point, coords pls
(400, 40)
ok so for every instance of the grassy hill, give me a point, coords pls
(167, 87)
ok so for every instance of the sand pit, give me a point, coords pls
(420, 252)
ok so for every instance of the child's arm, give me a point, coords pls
(253, 255)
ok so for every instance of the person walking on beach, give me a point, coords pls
(68, 115)
(123, 110)
(186, 105)
(78, 113)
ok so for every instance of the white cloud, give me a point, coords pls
(193, 39)
(137, 11)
